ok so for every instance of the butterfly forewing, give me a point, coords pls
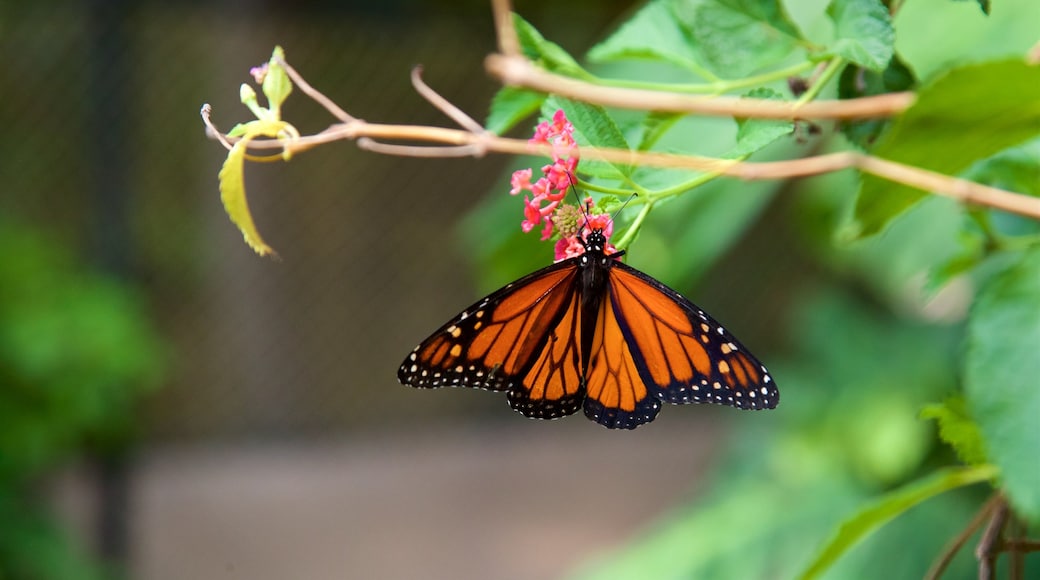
(506, 342)
(552, 384)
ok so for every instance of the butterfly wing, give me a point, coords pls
(652, 345)
(522, 339)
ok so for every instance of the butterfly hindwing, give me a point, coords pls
(519, 339)
(617, 396)
(682, 354)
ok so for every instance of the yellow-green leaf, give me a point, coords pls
(233, 196)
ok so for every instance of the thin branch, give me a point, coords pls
(520, 72)
(989, 545)
(315, 94)
(211, 129)
(444, 105)
(508, 43)
(369, 144)
(955, 545)
(1022, 545)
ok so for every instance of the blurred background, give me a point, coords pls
(173, 406)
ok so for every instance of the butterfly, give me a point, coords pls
(591, 333)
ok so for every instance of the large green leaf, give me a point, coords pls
(653, 34)
(970, 113)
(863, 31)
(738, 37)
(1002, 377)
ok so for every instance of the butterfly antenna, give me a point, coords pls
(624, 205)
(581, 203)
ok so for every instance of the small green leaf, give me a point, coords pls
(888, 507)
(549, 54)
(738, 37)
(510, 106)
(277, 85)
(651, 34)
(956, 120)
(957, 429)
(592, 127)
(1001, 370)
(856, 82)
(755, 134)
(864, 33)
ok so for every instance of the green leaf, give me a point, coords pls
(1014, 169)
(970, 113)
(983, 4)
(957, 429)
(277, 85)
(654, 126)
(864, 33)
(592, 127)
(970, 253)
(549, 54)
(510, 106)
(755, 134)
(856, 81)
(1002, 366)
(738, 37)
(651, 34)
(889, 506)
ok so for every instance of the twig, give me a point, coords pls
(520, 72)
(444, 105)
(211, 129)
(990, 543)
(508, 43)
(315, 94)
(955, 545)
(369, 144)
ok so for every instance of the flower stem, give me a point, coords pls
(832, 69)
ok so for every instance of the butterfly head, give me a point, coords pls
(595, 241)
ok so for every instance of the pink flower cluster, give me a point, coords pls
(543, 207)
(556, 179)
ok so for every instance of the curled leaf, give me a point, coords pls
(233, 186)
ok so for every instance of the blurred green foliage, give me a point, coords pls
(76, 354)
(892, 301)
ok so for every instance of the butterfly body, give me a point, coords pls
(591, 333)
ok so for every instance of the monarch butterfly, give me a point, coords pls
(591, 332)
